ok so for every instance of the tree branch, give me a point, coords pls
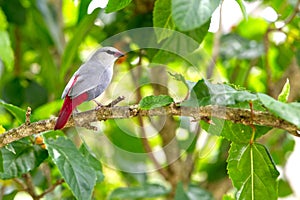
(51, 188)
(236, 115)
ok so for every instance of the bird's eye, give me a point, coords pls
(110, 52)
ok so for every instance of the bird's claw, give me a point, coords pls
(99, 105)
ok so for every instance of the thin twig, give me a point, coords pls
(20, 183)
(30, 186)
(294, 13)
(28, 113)
(116, 101)
(51, 188)
(270, 29)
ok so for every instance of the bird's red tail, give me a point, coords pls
(67, 108)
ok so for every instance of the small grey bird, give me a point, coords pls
(88, 82)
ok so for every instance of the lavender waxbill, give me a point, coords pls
(88, 82)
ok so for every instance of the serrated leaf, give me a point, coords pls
(284, 94)
(152, 101)
(191, 14)
(237, 133)
(243, 8)
(252, 171)
(17, 112)
(75, 169)
(115, 5)
(162, 17)
(205, 93)
(145, 191)
(94, 163)
(287, 111)
(19, 158)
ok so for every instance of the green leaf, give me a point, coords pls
(118, 131)
(2, 130)
(128, 156)
(92, 160)
(17, 112)
(49, 67)
(284, 188)
(72, 47)
(3, 21)
(205, 93)
(11, 88)
(15, 11)
(237, 133)
(76, 170)
(228, 197)
(10, 196)
(32, 90)
(199, 33)
(235, 46)
(252, 171)
(83, 9)
(287, 111)
(46, 110)
(243, 9)
(284, 94)
(191, 14)
(115, 5)
(281, 146)
(162, 17)
(145, 191)
(180, 193)
(20, 157)
(152, 101)
(6, 52)
(195, 192)
(252, 29)
(51, 22)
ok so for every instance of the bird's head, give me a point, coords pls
(107, 55)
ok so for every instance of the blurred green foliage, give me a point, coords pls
(43, 42)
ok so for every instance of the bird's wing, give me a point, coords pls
(89, 79)
(70, 84)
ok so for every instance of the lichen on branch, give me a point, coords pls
(83, 119)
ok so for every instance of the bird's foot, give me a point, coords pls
(116, 101)
(99, 105)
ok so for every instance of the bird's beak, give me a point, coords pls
(119, 54)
